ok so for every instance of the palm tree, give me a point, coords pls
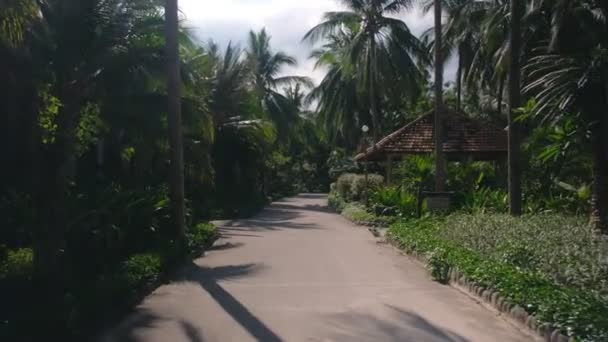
(514, 161)
(342, 108)
(440, 161)
(175, 119)
(571, 75)
(382, 48)
(265, 67)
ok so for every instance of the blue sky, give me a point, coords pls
(286, 21)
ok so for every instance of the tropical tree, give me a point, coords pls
(175, 117)
(570, 75)
(265, 67)
(382, 52)
(514, 161)
(342, 107)
(440, 161)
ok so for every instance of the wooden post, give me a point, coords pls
(389, 169)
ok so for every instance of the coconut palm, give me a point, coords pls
(571, 75)
(383, 51)
(265, 67)
(342, 107)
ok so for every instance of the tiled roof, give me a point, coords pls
(464, 136)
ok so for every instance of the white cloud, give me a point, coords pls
(286, 20)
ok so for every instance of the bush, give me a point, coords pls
(351, 187)
(140, 269)
(344, 184)
(547, 264)
(484, 200)
(335, 201)
(392, 200)
(19, 263)
(358, 187)
(201, 236)
(357, 214)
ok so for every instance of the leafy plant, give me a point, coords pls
(547, 264)
(140, 269)
(19, 263)
(200, 236)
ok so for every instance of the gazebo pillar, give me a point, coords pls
(389, 169)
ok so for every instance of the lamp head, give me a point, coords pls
(365, 128)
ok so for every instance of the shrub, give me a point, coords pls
(351, 187)
(356, 212)
(344, 184)
(485, 200)
(546, 264)
(19, 263)
(335, 201)
(358, 187)
(200, 236)
(140, 269)
(394, 200)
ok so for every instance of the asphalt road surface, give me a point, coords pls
(297, 272)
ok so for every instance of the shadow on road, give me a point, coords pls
(402, 326)
(208, 279)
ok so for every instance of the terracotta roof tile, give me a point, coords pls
(464, 135)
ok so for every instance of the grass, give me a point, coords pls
(547, 264)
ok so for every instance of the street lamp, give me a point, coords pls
(365, 130)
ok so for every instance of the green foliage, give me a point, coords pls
(335, 201)
(339, 163)
(415, 172)
(200, 236)
(17, 263)
(485, 200)
(140, 269)
(546, 264)
(358, 214)
(352, 187)
(392, 200)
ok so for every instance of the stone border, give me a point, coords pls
(488, 296)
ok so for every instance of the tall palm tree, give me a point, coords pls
(571, 75)
(440, 161)
(341, 105)
(265, 68)
(382, 47)
(175, 118)
(514, 161)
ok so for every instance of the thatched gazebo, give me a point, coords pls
(467, 138)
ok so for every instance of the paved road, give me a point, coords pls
(297, 272)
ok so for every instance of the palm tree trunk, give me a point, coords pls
(599, 201)
(372, 91)
(499, 96)
(515, 205)
(175, 118)
(459, 81)
(440, 163)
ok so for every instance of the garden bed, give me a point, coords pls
(547, 265)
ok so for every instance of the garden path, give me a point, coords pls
(297, 272)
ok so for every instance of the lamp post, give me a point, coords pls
(365, 130)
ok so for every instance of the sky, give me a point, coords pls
(285, 20)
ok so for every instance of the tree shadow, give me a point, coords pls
(272, 218)
(401, 326)
(192, 332)
(225, 246)
(125, 332)
(208, 279)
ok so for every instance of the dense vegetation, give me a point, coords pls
(84, 192)
(90, 189)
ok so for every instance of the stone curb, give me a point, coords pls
(489, 296)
